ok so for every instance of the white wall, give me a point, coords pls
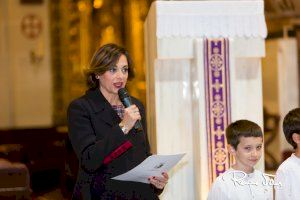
(280, 84)
(26, 87)
(5, 85)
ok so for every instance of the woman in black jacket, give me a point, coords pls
(102, 132)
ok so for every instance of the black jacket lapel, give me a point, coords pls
(101, 107)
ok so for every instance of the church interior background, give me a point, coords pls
(45, 46)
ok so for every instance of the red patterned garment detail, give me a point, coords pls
(117, 152)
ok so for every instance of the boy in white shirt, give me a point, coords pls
(288, 173)
(242, 181)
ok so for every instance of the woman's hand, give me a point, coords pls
(131, 115)
(159, 181)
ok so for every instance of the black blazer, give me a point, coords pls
(94, 133)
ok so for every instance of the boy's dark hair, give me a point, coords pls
(242, 128)
(291, 124)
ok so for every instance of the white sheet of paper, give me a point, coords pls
(152, 166)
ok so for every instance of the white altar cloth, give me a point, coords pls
(210, 18)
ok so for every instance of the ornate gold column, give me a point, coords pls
(70, 49)
(136, 12)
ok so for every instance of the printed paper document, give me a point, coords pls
(152, 166)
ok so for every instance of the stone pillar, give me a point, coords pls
(203, 71)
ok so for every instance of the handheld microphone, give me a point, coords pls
(126, 100)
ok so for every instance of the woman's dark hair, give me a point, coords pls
(242, 128)
(103, 59)
(291, 125)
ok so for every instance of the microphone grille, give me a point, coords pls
(122, 93)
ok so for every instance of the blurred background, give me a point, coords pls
(45, 45)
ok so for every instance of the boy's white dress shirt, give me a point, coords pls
(288, 174)
(237, 185)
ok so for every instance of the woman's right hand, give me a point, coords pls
(131, 115)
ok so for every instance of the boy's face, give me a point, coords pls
(247, 153)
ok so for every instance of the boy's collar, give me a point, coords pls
(240, 173)
(295, 155)
(232, 168)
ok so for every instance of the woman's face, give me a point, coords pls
(115, 78)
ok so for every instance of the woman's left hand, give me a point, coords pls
(159, 181)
